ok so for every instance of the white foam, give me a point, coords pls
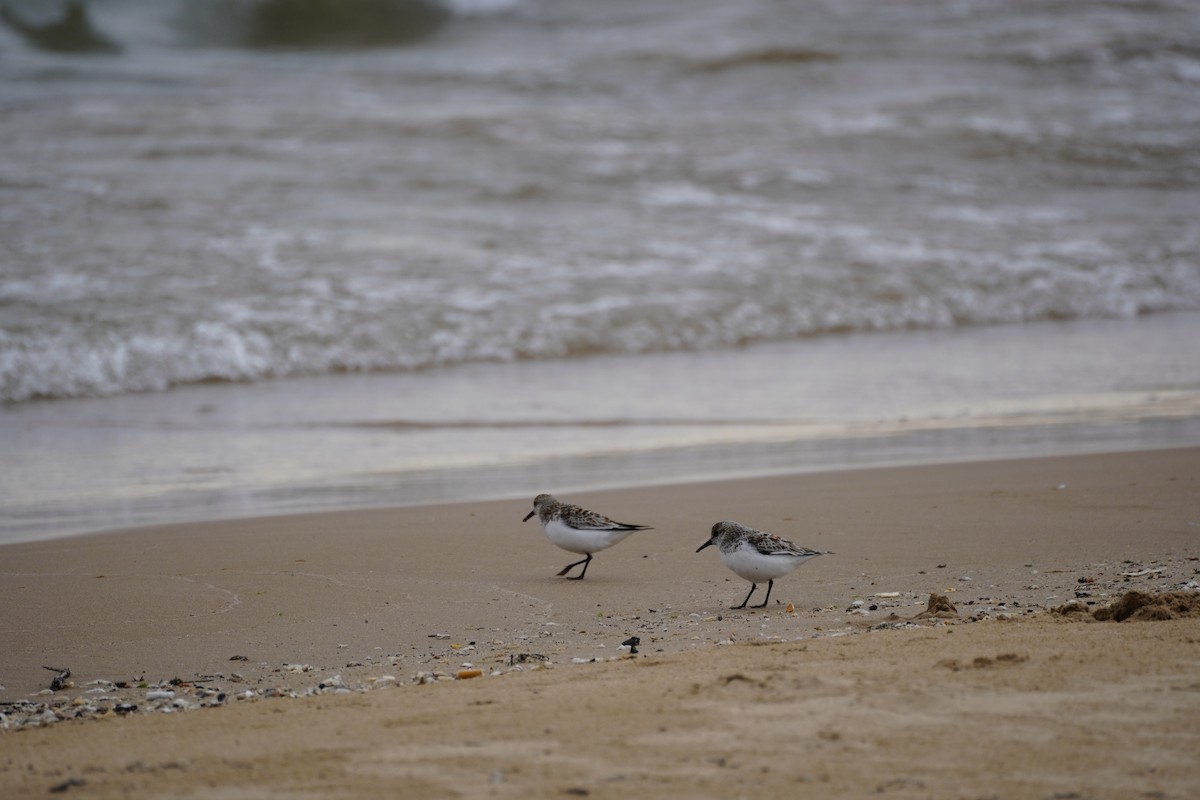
(467, 8)
(1186, 69)
(680, 195)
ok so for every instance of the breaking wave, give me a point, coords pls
(382, 323)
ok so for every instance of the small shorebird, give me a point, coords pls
(756, 556)
(578, 530)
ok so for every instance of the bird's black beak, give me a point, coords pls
(706, 544)
(530, 514)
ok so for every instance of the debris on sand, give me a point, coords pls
(1074, 611)
(69, 783)
(61, 679)
(984, 662)
(1137, 606)
(1142, 606)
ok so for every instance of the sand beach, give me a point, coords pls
(431, 652)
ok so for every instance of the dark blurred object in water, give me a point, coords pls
(72, 33)
(312, 23)
(309, 23)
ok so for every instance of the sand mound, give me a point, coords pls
(939, 607)
(1138, 606)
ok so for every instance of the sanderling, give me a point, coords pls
(578, 530)
(756, 556)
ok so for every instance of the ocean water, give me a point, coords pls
(255, 259)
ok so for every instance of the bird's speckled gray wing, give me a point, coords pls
(771, 544)
(584, 520)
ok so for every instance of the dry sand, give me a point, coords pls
(836, 698)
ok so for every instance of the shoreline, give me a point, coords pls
(353, 613)
(931, 446)
(384, 440)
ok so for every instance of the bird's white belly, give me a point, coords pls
(582, 541)
(751, 565)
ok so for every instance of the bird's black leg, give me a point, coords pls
(569, 567)
(586, 561)
(763, 604)
(753, 586)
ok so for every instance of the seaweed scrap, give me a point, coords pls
(1136, 606)
(61, 680)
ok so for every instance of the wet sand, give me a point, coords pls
(844, 695)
